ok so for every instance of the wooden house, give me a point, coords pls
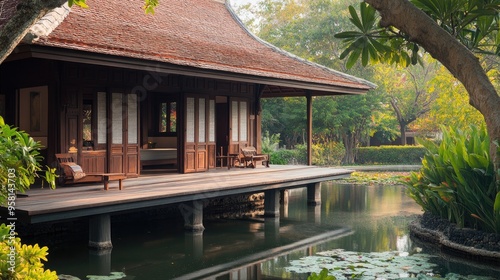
(117, 87)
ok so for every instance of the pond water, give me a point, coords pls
(361, 225)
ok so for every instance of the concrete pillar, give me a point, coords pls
(100, 232)
(272, 203)
(314, 194)
(192, 212)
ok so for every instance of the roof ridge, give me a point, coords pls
(293, 56)
(47, 23)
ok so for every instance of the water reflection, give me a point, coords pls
(353, 218)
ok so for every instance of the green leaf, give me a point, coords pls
(354, 17)
(353, 58)
(496, 206)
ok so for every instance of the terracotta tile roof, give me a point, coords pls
(196, 33)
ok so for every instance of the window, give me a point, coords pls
(167, 118)
(87, 121)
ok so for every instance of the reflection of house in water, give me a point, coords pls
(116, 82)
(212, 257)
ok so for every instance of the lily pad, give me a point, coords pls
(383, 265)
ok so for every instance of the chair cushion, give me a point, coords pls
(74, 170)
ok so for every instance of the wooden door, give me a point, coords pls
(123, 131)
(199, 138)
(238, 124)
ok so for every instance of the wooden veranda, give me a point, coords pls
(155, 190)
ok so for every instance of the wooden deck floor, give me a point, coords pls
(150, 190)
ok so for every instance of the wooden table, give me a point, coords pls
(230, 160)
(107, 177)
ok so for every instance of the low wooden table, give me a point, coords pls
(107, 177)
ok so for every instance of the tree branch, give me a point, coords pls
(28, 13)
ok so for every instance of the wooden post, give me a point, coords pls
(272, 203)
(193, 215)
(309, 129)
(100, 232)
(314, 194)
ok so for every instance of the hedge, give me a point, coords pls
(390, 155)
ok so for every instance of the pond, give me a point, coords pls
(357, 231)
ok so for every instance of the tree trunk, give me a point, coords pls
(350, 141)
(452, 54)
(28, 13)
(402, 129)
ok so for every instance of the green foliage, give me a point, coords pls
(457, 180)
(324, 154)
(323, 275)
(270, 143)
(284, 157)
(390, 155)
(474, 23)
(375, 178)
(149, 5)
(21, 261)
(80, 3)
(374, 43)
(329, 153)
(19, 164)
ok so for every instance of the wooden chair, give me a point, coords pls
(69, 173)
(250, 157)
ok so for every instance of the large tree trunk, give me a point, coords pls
(452, 54)
(28, 13)
(402, 129)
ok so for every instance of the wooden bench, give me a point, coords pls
(250, 157)
(67, 178)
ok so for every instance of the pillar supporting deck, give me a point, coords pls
(272, 203)
(314, 194)
(100, 232)
(193, 216)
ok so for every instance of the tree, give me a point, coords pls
(28, 12)
(449, 30)
(306, 28)
(410, 91)
(451, 107)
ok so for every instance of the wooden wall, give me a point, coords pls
(70, 84)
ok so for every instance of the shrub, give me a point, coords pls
(20, 161)
(390, 155)
(457, 180)
(19, 167)
(20, 261)
(283, 157)
(328, 154)
(270, 143)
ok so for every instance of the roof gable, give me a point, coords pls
(202, 34)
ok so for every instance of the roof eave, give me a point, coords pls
(68, 55)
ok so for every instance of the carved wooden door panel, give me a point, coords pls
(196, 138)
(238, 124)
(123, 149)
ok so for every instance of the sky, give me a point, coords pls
(236, 3)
